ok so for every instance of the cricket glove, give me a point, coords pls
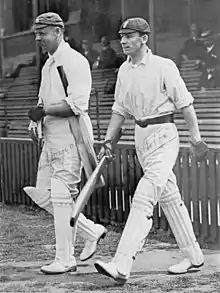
(106, 150)
(36, 113)
(199, 150)
(35, 130)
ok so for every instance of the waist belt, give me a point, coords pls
(157, 120)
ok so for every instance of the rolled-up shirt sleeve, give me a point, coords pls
(118, 107)
(175, 86)
(79, 84)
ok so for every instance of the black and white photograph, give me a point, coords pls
(110, 146)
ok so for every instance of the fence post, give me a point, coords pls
(152, 14)
(97, 115)
(2, 51)
(35, 14)
(123, 10)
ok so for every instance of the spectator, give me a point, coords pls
(107, 58)
(193, 47)
(209, 65)
(89, 52)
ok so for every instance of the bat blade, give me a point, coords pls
(91, 184)
(87, 191)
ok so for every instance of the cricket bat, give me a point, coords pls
(90, 185)
(80, 132)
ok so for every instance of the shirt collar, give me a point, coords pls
(145, 59)
(62, 46)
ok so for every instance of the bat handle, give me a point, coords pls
(72, 222)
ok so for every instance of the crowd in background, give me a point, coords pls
(201, 47)
(105, 58)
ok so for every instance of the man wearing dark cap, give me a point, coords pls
(107, 58)
(59, 171)
(149, 89)
(193, 48)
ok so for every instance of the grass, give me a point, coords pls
(27, 241)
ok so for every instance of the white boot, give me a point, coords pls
(91, 245)
(110, 270)
(87, 229)
(183, 267)
(131, 242)
(57, 268)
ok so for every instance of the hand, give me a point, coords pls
(36, 113)
(199, 149)
(95, 65)
(106, 150)
(36, 132)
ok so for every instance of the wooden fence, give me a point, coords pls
(198, 182)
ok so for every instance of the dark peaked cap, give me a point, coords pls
(48, 19)
(136, 24)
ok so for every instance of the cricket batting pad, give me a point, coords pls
(181, 226)
(137, 227)
(62, 209)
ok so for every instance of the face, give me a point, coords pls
(105, 46)
(48, 38)
(132, 42)
(85, 46)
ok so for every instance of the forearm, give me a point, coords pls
(60, 109)
(115, 124)
(191, 120)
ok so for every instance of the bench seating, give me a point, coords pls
(23, 94)
(190, 74)
(100, 78)
(19, 98)
(5, 84)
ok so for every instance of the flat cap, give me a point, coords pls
(48, 19)
(136, 24)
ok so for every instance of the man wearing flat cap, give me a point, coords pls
(59, 170)
(149, 89)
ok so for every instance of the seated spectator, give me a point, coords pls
(193, 47)
(89, 52)
(107, 58)
(209, 65)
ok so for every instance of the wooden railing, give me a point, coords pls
(198, 182)
(15, 45)
(19, 43)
